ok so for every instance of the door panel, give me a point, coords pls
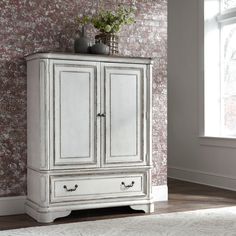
(75, 114)
(123, 115)
(124, 108)
(75, 105)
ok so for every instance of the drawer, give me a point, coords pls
(72, 188)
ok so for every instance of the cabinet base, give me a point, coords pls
(48, 215)
(45, 217)
(147, 208)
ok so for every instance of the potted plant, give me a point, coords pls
(109, 23)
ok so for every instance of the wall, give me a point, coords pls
(28, 26)
(203, 160)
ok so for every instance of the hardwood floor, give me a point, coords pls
(183, 196)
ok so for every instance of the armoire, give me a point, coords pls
(89, 133)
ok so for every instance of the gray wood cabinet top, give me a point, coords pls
(89, 57)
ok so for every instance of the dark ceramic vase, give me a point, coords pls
(82, 44)
(99, 48)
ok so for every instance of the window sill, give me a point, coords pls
(227, 142)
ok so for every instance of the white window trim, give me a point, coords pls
(201, 98)
(209, 141)
(227, 17)
(214, 141)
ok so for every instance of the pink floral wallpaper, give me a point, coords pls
(28, 26)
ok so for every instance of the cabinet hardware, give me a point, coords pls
(70, 189)
(101, 115)
(123, 186)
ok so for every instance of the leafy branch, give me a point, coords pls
(110, 21)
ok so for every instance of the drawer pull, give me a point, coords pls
(124, 186)
(70, 189)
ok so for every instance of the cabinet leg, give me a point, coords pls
(147, 208)
(45, 217)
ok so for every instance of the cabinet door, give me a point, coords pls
(124, 100)
(75, 107)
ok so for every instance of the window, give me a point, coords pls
(228, 4)
(220, 68)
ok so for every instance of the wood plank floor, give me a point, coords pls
(183, 196)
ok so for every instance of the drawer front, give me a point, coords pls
(72, 188)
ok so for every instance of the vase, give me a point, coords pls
(99, 48)
(110, 39)
(82, 44)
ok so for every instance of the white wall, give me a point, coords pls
(192, 158)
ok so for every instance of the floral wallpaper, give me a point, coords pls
(28, 26)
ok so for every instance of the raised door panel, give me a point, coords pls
(124, 108)
(75, 108)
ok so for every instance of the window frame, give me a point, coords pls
(224, 17)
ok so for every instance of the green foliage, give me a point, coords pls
(110, 21)
(83, 20)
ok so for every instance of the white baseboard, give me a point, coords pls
(201, 177)
(12, 205)
(160, 193)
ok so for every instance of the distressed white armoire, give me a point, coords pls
(89, 133)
